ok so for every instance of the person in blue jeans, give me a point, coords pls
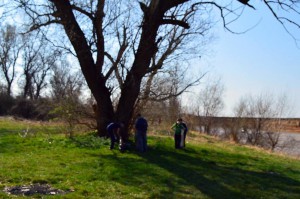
(141, 126)
(113, 130)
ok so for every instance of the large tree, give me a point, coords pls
(88, 25)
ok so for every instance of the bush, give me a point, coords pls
(42, 109)
(24, 108)
(6, 103)
(32, 109)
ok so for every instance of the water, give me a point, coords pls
(289, 143)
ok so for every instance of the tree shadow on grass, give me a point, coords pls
(209, 177)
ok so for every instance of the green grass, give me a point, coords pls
(207, 168)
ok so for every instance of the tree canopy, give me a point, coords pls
(120, 43)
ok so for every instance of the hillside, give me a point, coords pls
(84, 167)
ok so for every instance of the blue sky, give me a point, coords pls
(264, 59)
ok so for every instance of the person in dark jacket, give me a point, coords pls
(184, 132)
(178, 133)
(113, 130)
(141, 126)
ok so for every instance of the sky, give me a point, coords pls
(264, 59)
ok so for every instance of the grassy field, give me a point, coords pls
(84, 167)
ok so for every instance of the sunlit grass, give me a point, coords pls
(84, 165)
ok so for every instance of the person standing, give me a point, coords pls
(184, 132)
(141, 126)
(113, 130)
(178, 133)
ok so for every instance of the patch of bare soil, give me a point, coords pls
(28, 190)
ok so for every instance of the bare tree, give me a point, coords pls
(260, 109)
(259, 119)
(210, 103)
(89, 26)
(37, 60)
(174, 54)
(3, 12)
(236, 128)
(29, 57)
(273, 135)
(10, 48)
(46, 60)
(66, 92)
(163, 89)
(65, 85)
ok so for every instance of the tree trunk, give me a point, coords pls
(8, 91)
(104, 113)
(147, 48)
(93, 71)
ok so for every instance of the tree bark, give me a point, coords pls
(147, 48)
(90, 69)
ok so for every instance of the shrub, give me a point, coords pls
(32, 109)
(23, 108)
(6, 103)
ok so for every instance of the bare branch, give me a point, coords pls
(89, 15)
(245, 2)
(123, 46)
(176, 22)
(38, 26)
(286, 7)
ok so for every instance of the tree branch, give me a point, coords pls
(38, 26)
(176, 22)
(89, 15)
(114, 67)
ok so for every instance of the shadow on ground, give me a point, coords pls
(210, 177)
